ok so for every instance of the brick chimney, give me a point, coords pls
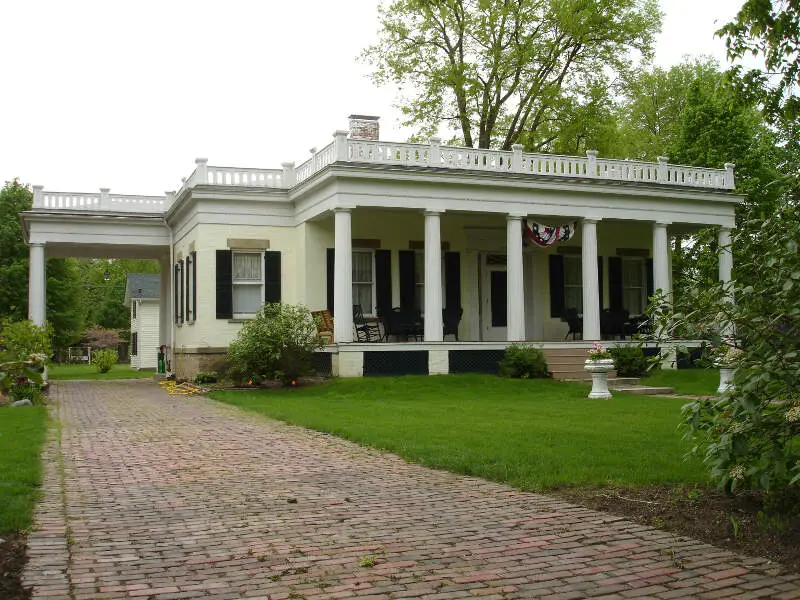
(364, 127)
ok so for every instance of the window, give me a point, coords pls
(189, 286)
(573, 283)
(133, 309)
(363, 274)
(634, 290)
(419, 281)
(134, 344)
(248, 283)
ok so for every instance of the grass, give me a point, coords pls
(691, 382)
(22, 433)
(532, 434)
(65, 372)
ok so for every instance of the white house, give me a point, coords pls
(430, 229)
(142, 296)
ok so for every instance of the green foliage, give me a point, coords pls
(104, 359)
(769, 29)
(276, 344)
(630, 361)
(24, 351)
(206, 377)
(64, 294)
(523, 362)
(499, 72)
(749, 436)
(27, 390)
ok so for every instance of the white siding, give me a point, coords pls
(146, 325)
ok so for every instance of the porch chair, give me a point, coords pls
(366, 331)
(324, 321)
(573, 321)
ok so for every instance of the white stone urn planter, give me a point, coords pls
(599, 369)
(725, 379)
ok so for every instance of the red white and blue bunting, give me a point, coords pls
(543, 235)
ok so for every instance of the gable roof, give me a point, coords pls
(142, 286)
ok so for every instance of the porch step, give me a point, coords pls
(642, 390)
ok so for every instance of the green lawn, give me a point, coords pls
(56, 372)
(22, 432)
(692, 382)
(531, 434)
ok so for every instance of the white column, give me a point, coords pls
(591, 288)
(433, 277)
(342, 277)
(725, 257)
(164, 321)
(37, 296)
(661, 275)
(725, 268)
(515, 293)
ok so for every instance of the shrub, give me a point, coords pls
(205, 377)
(103, 338)
(104, 359)
(276, 344)
(20, 339)
(630, 361)
(523, 362)
(26, 389)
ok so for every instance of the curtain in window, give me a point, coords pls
(246, 266)
(362, 267)
(573, 283)
(633, 286)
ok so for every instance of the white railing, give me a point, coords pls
(99, 202)
(432, 155)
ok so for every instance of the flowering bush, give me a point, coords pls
(24, 351)
(726, 356)
(276, 344)
(599, 352)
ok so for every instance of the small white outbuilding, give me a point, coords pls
(141, 294)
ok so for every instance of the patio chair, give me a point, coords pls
(366, 331)
(574, 322)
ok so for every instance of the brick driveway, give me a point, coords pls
(153, 496)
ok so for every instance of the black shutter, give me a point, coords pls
(407, 282)
(650, 286)
(182, 288)
(615, 283)
(383, 280)
(556, 285)
(134, 344)
(331, 275)
(452, 280)
(224, 284)
(600, 280)
(187, 293)
(272, 276)
(194, 286)
(176, 296)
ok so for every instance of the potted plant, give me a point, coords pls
(727, 358)
(599, 363)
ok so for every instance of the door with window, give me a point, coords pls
(494, 291)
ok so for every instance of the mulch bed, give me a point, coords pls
(12, 560)
(737, 523)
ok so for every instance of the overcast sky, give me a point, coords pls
(126, 94)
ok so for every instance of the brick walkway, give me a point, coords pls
(149, 496)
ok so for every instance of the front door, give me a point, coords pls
(495, 290)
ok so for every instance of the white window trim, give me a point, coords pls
(371, 310)
(190, 318)
(235, 283)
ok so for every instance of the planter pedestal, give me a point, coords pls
(725, 380)
(599, 370)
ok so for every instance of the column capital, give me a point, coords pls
(592, 220)
(516, 216)
(662, 223)
(430, 212)
(36, 244)
(343, 208)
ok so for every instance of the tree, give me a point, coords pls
(64, 299)
(496, 71)
(769, 29)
